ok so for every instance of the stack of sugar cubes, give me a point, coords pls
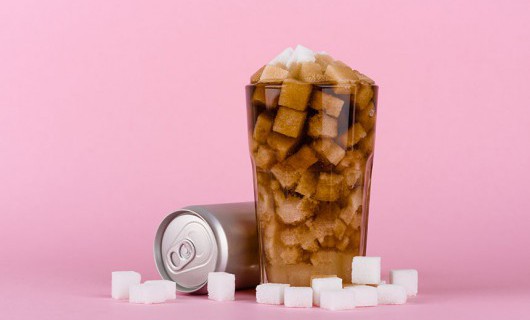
(327, 292)
(127, 285)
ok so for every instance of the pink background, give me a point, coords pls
(115, 113)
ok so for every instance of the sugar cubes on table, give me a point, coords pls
(338, 299)
(366, 270)
(270, 293)
(147, 293)
(168, 286)
(321, 284)
(298, 297)
(391, 294)
(121, 281)
(407, 278)
(365, 296)
(221, 286)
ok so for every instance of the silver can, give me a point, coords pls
(196, 240)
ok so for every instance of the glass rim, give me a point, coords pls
(321, 85)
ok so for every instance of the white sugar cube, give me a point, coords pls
(366, 270)
(221, 286)
(407, 278)
(147, 294)
(270, 293)
(321, 284)
(365, 296)
(338, 299)
(391, 294)
(169, 286)
(282, 58)
(301, 54)
(298, 297)
(121, 281)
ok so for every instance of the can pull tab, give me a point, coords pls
(180, 255)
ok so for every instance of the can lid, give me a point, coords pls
(186, 250)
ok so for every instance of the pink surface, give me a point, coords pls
(113, 114)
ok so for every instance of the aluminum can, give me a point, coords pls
(196, 240)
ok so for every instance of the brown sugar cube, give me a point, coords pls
(304, 158)
(329, 186)
(299, 235)
(343, 244)
(356, 221)
(340, 73)
(339, 228)
(286, 175)
(307, 185)
(364, 78)
(263, 127)
(265, 157)
(295, 94)
(257, 75)
(270, 241)
(263, 179)
(367, 117)
(264, 204)
(352, 177)
(273, 74)
(328, 103)
(364, 95)
(291, 255)
(367, 144)
(293, 210)
(322, 125)
(329, 150)
(324, 222)
(353, 203)
(352, 159)
(275, 185)
(324, 257)
(328, 242)
(290, 236)
(282, 144)
(289, 122)
(354, 134)
(323, 60)
(266, 96)
(311, 72)
(253, 145)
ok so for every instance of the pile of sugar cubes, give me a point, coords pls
(127, 285)
(327, 292)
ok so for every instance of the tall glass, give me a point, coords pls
(312, 149)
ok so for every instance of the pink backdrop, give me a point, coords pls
(115, 113)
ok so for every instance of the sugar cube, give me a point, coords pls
(298, 297)
(311, 72)
(351, 137)
(391, 294)
(263, 127)
(301, 54)
(366, 270)
(264, 157)
(364, 95)
(322, 125)
(282, 144)
(287, 176)
(329, 150)
(289, 122)
(321, 284)
(121, 281)
(270, 293)
(147, 293)
(295, 94)
(282, 58)
(365, 296)
(273, 74)
(328, 186)
(307, 184)
(327, 102)
(337, 299)
(169, 286)
(221, 286)
(304, 158)
(407, 278)
(293, 210)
